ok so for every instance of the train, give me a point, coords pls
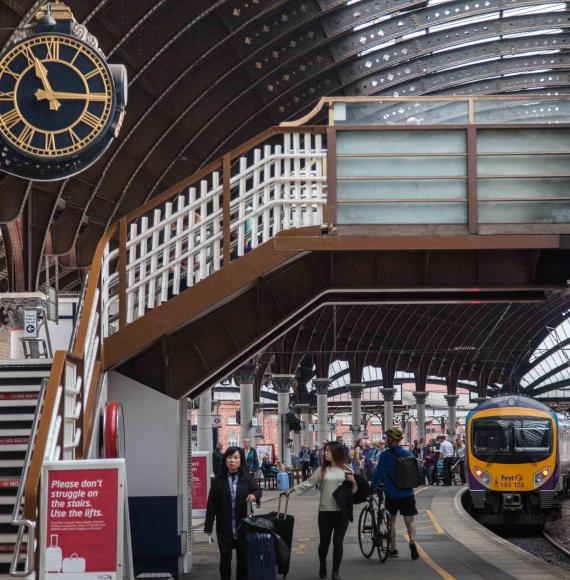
(517, 459)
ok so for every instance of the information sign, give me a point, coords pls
(83, 520)
(31, 323)
(216, 421)
(257, 431)
(200, 482)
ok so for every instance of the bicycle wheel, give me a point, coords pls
(383, 539)
(366, 532)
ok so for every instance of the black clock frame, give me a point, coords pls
(20, 163)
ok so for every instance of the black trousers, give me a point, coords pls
(305, 469)
(447, 463)
(462, 471)
(331, 524)
(226, 559)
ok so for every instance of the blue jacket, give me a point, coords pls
(305, 455)
(386, 472)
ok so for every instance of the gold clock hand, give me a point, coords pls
(41, 73)
(40, 94)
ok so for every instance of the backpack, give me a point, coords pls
(407, 473)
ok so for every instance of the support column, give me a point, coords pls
(421, 397)
(322, 389)
(204, 422)
(245, 377)
(304, 411)
(452, 414)
(283, 384)
(356, 400)
(388, 395)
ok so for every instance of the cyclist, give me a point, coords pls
(397, 500)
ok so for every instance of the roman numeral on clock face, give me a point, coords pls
(27, 135)
(6, 96)
(11, 118)
(90, 119)
(50, 142)
(52, 47)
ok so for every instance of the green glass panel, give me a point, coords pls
(524, 212)
(523, 140)
(524, 187)
(402, 213)
(405, 189)
(401, 166)
(524, 165)
(400, 142)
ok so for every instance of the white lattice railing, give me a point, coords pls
(272, 187)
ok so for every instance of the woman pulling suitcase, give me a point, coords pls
(332, 521)
(232, 489)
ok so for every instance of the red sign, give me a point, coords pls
(14, 440)
(200, 481)
(18, 396)
(82, 518)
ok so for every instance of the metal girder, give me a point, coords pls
(531, 387)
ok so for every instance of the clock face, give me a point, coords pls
(56, 96)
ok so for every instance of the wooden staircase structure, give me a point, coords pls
(189, 286)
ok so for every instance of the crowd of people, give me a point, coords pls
(362, 467)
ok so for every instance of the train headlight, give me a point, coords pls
(483, 476)
(541, 476)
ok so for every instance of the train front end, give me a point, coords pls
(512, 460)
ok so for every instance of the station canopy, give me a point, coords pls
(206, 75)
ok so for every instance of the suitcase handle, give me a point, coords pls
(286, 505)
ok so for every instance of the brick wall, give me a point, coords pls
(270, 425)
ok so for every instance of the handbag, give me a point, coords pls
(363, 490)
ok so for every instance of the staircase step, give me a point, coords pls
(15, 431)
(14, 444)
(10, 473)
(8, 425)
(10, 462)
(9, 483)
(16, 412)
(20, 391)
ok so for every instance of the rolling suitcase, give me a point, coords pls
(261, 564)
(283, 525)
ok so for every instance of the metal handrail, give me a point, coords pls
(78, 314)
(17, 519)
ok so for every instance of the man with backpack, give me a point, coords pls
(400, 472)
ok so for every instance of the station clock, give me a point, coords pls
(61, 104)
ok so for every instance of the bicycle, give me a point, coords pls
(374, 527)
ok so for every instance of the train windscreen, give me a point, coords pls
(511, 439)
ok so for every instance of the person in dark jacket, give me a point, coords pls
(217, 458)
(229, 495)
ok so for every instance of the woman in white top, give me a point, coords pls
(332, 473)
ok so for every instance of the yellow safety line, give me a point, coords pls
(435, 523)
(433, 565)
(421, 489)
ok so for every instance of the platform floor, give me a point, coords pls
(443, 535)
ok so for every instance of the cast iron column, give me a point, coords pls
(356, 400)
(304, 411)
(421, 397)
(246, 377)
(283, 384)
(388, 408)
(322, 389)
(452, 413)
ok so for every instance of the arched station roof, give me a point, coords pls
(207, 75)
